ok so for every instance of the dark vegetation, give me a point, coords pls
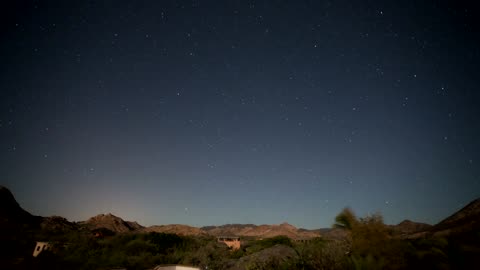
(365, 243)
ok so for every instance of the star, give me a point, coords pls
(204, 100)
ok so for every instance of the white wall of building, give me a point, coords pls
(41, 246)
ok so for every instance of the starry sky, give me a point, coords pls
(215, 112)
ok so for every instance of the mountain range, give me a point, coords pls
(13, 217)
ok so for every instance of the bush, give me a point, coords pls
(371, 243)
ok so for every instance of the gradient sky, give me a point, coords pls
(214, 112)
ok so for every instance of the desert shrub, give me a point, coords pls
(277, 240)
(258, 245)
(430, 253)
(140, 261)
(371, 243)
(346, 219)
(138, 246)
(368, 262)
(164, 241)
(322, 254)
(103, 232)
(272, 263)
(211, 255)
(237, 254)
(133, 251)
(370, 236)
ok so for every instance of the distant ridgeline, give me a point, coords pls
(25, 236)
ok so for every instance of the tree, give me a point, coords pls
(371, 243)
(346, 220)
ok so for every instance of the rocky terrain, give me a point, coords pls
(465, 219)
(58, 224)
(112, 223)
(13, 217)
(408, 227)
(261, 231)
(176, 229)
(262, 245)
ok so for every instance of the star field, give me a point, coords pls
(214, 112)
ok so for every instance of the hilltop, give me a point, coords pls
(176, 229)
(112, 223)
(114, 239)
(465, 219)
(12, 215)
(260, 231)
(407, 228)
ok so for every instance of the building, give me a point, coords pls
(41, 246)
(232, 242)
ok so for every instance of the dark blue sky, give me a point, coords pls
(205, 113)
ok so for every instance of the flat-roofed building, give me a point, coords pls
(41, 246)
(232, 242)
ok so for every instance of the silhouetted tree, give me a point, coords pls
(371, 243)
(346, 219)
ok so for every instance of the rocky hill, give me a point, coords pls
(408, 227)
(17, 230)
(112, 223)
(465, 220)
(176, 229)
(10, 211)
(58, 224)
(260, 231)
(12, 216)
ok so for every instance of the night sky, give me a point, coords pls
(204, 113)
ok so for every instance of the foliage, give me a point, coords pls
(368, 244)
(259, 245)
(271, 263)
(372, 246)
(345, 219)
(322, 254)
(133, 251)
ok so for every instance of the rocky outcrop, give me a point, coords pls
(58, 224)
(466, 219)
(112, 223)
(408, 227)
(260, 231)
(12, 216)
(175, 229)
